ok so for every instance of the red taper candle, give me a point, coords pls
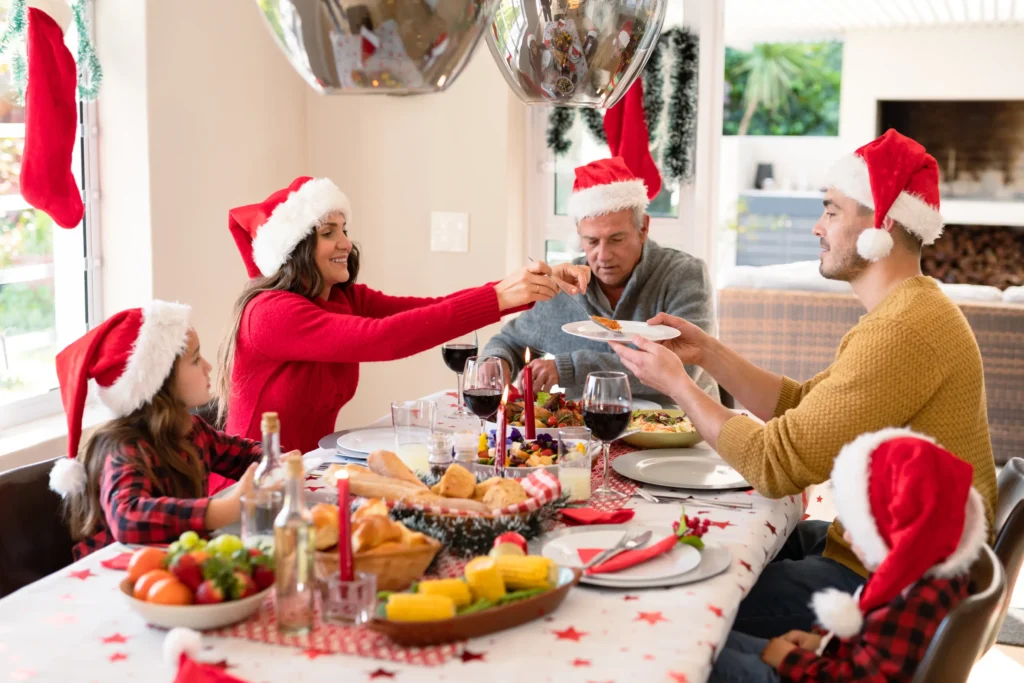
(344, 528)
(529, 421)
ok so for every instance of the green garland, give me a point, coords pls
(90, 73)
(677, 155)
(16, 14)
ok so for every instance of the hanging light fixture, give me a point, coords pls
(583, 53)
(395, 47)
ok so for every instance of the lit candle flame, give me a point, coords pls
(527, 355)
(343, 474)
(504, 396)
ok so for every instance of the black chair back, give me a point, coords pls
(1009, 545)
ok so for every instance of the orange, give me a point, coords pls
(147, 580)
(170, 592)
(200, 556)
(144, 560)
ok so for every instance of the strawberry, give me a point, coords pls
(243, 586)
(209, 592)
(263, 577)
(188, 571)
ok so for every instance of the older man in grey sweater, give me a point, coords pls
(633, 279)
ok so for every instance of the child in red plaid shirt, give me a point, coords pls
(914, 520)
(142, 477)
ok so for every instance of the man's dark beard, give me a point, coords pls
(847, 270)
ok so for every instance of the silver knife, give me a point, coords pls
(602, 555)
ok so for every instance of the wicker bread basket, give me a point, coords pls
(395, 569)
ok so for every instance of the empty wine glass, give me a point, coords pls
(484, 382)
(607, 407)
(455, 353)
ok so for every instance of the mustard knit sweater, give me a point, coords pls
(914, 362)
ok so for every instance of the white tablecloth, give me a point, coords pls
(75, 625)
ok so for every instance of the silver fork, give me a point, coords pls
(632, 544)
(600, 556)
(615, 333)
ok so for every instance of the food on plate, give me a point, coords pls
(484, 579)
(372, 529)
(325, 525)
(457, 482)
(456, 589)
(419, 607)
(661, 423)
(503, 493)
(531, 571)
(607, 322)
(483, 487)
(221, 570)
(550, 411)
(387, 464)
(509, 543)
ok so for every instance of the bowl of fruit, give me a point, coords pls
(198, 584)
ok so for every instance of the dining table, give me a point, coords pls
(77, 625)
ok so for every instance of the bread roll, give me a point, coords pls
(373, 531)
(373, 506)
(483, 487)
(505, 492)
(457, 482)
(387, 464)
(364, 483)
(325, 524)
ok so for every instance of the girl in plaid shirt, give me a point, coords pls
(914, 520)
(142, 477)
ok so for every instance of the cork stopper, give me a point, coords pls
(270, 423)
(294, 465)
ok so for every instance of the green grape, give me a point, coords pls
(174, 548)
(189, 540)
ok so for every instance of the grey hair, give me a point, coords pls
(639, 213)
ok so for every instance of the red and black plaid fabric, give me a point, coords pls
(891, 643)
(135, 509)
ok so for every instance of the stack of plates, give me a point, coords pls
(683, 564)
(680, 468)
(357, 444)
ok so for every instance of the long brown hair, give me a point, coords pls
(162, 426)
(300, 275)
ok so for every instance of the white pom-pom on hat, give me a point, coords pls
(839, 612)
(68, 476)
(874, 244)
(182, 640)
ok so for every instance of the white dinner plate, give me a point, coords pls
(588, 329)
(563, 547)
(680, 468)
(714, 560)
(368, 440)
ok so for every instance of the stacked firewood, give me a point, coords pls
(977, 255)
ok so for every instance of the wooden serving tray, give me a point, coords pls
(421, 633)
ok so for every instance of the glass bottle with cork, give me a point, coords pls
(294, 555)
(270, 471)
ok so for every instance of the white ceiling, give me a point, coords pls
(749, 21)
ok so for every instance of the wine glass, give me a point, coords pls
(607, 407)
(485, 381)
(455, 352)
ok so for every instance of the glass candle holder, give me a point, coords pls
(348, 603)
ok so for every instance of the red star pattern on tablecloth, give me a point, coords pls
(581, 662)
(721, 525)
(746, 565)
(468, 656)
(651, 617)
(805, 517)
(819, 499)
(311, 477)
(381, 673)
(717, 611)
(313, 488)
(116, 638)
(649, 658)
(68, 596)
(570, 634)
(771, 528)
(82, 574)
(117, 657)
(631, 597)
(678, 677)
(313, 653)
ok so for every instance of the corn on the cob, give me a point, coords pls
(419, 607)
(484, 578)
(456, 589)
(532, 571)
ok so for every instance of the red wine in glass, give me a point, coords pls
(455, 355)
(483, 402)
(606, 422)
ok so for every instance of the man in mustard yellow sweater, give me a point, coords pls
(911, 361)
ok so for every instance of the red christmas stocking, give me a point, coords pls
(626, 128)
(51, 117)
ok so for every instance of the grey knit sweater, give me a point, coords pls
(665, 280)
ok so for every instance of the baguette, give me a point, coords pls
(364, 483)
(387, 464)
(464, 504)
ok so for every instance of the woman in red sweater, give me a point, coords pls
(302, 326)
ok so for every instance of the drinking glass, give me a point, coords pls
(457, 436)
(574, 462)
(455, 352)
(348, 603)
(259, 510)
(412, 421)
(607, 407)
(484, 380)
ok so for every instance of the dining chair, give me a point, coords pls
(1009, 527)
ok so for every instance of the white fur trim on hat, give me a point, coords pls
(68, 477)
(917, 216)
(874, 244)
(974, 536)
(162, 337)
(850, 490)
(604, 199)
(58, 10)
(181, 640)
(838, 612)
(850, 176)
(293, 219)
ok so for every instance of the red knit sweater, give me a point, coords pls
(301, 358)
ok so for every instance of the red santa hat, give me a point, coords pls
(606, 186)
(910, 507)
(266, 233)
(895, 176)
(129, 356)
(181, 647)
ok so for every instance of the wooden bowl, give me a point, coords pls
(422, 633)
(395, 569)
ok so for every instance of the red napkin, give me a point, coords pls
(592, 516)
(630, 558)
(118, 561)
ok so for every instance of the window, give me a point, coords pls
(46, 272)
